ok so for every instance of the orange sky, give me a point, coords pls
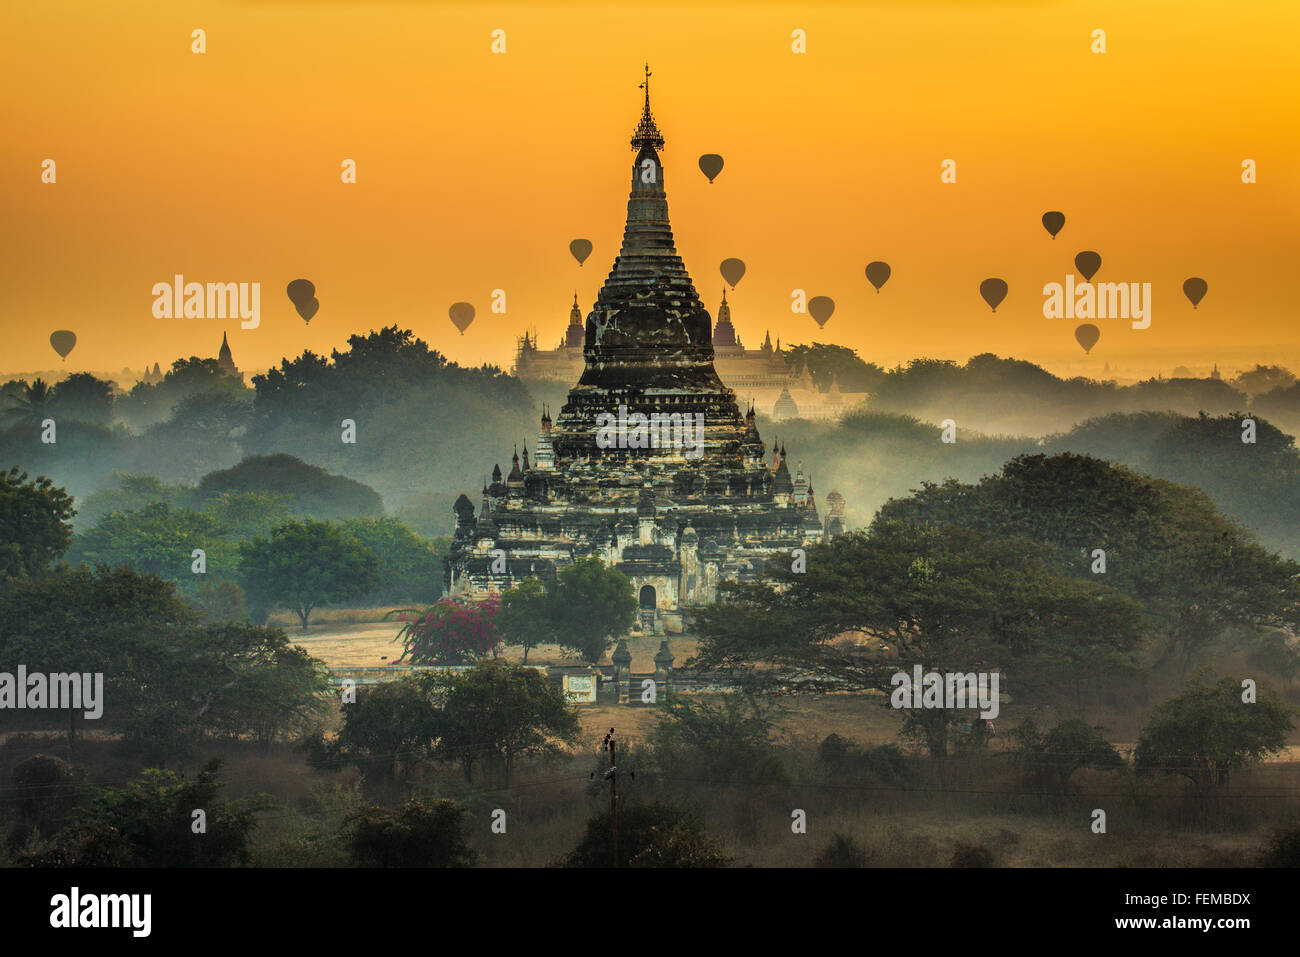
(475, 169)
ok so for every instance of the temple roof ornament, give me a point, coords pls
(724, 333)
(647, 133)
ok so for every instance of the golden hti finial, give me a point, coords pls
(647, 134)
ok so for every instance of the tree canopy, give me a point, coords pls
(1195, 572)
(1209, 731)
(305, 565)
(35, 523)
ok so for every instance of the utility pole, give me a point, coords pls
(612, 774)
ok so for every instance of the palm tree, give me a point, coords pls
(30, 405)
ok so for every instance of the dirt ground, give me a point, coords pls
(374, 644)
(347, 643)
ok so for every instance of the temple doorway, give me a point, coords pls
(647, 603)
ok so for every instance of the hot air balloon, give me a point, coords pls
(1053, 221)
(1087, 335)
(993, 291)
(63, 341)
(581, 249)
(302, 293)
(1087, 262)
(733, 270)
(462, 314)
(711, 165)
(878, 274)
(1195, 290)
(821, 308)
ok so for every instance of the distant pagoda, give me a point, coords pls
(678, 521)
(226, 361)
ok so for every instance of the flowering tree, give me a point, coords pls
(447, 633)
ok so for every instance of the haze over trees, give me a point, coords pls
(951, 599)
(1196, 573)
(412, 407)
(1005, 575)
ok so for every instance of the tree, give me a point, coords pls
(950, 599)
(1263, 379)
(203, 434)
(827, 363)
(495, 714)
(35, 528)
(843, 851)
(82, 396)
(1165, 545)
(447, 633)
(88, 621)
(417, 834)
(147, 405)
(242, 516)
(724, 744)
(409, 569)
(389, 724)
(168, 680)
(649, 835)
(45, 795)
(150, 823)
(524, 617)
(1283, 849)
(1206, 733)
(261, 686)
(304, 565)
(592, 605)
(31, 405)
(410, 404)
(126, 492)
(158, 540)
(1052, 758)
(308, 490)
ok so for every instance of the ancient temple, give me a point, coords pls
(763, 375)
(650, 464)
(759, 373)
(226, 361)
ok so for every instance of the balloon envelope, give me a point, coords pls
(462, 314)
(711, 165)
(581, 249)
(1053, 221)
(63, 341)
(1195, 289)
(878, 274)
(993, 291)
(733, 270)
(1087, 262)
(300, 291)
(821, 308)
(308, 309)
(1087, 335)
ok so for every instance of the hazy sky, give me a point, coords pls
(475, 169)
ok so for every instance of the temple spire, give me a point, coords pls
(647, 134)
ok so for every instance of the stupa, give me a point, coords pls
(679, 510)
